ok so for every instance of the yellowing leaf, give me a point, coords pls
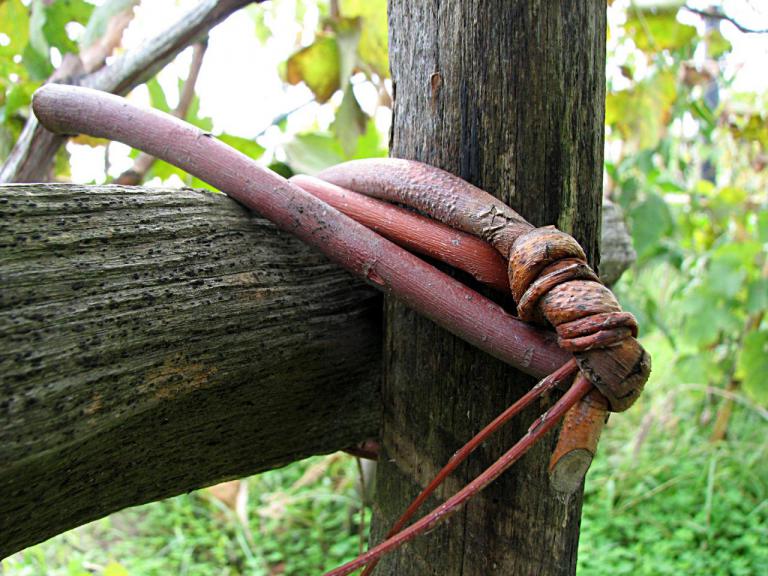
(754, 128)
(373, 47)
(91, 141)
(642, 113)
(717, 44)
(317, 66)
(115, 569)
(654, 31)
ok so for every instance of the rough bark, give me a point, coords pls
(510, 96)
(157, 341)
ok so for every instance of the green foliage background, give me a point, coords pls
(681, 482)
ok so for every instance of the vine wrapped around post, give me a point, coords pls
(549, 277)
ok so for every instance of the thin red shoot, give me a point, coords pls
(541, 426)
(554, 380)
(418, 233)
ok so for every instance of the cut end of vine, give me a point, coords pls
(568, 474)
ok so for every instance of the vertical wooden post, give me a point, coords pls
(508, 94)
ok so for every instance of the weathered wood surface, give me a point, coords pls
(156, 341)
(510, 96)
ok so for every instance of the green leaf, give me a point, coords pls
(725, 279)
(157, 97)
(245, 145)
(281, 168)
(347, 39)
(349, 123)
(757, 296)
(753, 365)
(738, 254)
(115, 569)
(654, 30)
(310, 153)
(7, 139)
(258, 13)
(705, 319)
(62, 166)
(318, 66)
(60, 13)
(696, 369)
(762, 226)
(18, 97)
(37, 40)
(369, 144)
(193, 115)
(197, 183)
(38, 65)
(702, 111)
(717, 44)
(14, 23)
(651, 220)
(97, 23)
(372, 49)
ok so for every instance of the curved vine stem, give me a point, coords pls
(439, 297)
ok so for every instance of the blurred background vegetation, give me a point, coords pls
(681, 482)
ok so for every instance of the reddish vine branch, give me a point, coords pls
(450, 304)
(558, 378)
(143, 163)
(415, 232)
(550, 281)
(548, 272)
(576, 446)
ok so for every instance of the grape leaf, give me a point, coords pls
(245, 145)
(654, 30)
(651, 220)
(312, 152)
(753, 365)
(349, 123)
(372, 48)
(317, 66)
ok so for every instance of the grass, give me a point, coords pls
(302, 519)
(660, 499)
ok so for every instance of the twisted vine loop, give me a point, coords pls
(551, 281)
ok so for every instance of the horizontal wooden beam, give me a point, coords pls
(156, 341)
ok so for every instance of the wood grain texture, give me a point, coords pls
(509, 96)
(156, 341)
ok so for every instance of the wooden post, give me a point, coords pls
(510, 96)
